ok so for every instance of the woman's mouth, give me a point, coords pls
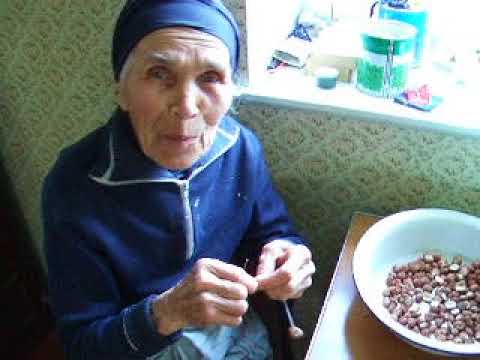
(181, 139)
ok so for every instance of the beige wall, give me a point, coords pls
(55, 86)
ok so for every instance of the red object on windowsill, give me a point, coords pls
(419, 96)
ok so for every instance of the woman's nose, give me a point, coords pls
(185, 100)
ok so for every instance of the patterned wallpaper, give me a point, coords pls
(328, 166)
(55, 86)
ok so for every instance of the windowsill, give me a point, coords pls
(458, 113)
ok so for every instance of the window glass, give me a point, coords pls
(452, 39)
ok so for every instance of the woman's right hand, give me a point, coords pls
(214, 293)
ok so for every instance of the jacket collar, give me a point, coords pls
(121, 162)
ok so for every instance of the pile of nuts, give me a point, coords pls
(436, 298)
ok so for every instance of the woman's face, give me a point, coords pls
(176, 86)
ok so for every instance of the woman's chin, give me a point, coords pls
(178, 162)
(175, 156)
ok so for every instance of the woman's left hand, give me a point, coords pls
(284, 270)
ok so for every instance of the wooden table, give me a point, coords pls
(346, 329)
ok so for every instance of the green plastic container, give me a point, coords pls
(388, 54)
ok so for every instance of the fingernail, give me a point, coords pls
(261, 277)
(252, 289)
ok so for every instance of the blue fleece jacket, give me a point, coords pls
(119, 229)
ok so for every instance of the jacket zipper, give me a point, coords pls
(187, 220)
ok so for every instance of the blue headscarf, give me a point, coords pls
(139, 18)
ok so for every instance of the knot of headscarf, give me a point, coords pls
(138, 18)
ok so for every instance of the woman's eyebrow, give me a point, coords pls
(171, 59)
(163, 57)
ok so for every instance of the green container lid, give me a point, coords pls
(380, 35)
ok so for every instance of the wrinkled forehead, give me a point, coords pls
(183, 46)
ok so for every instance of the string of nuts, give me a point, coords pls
(436, 298)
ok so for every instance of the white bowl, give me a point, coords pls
(403, 237)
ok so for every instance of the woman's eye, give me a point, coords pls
(211, 77)
(158, 73)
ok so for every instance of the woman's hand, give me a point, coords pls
(284, 270)
(214, 293)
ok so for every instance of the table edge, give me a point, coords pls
(355, 218)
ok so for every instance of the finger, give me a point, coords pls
(302, 281)
(232, 273)
(216, 317)
(267, 262)
(225, 288)
(293, 259)
(222, 318)
(298, 283)
(218, 311)
(285, 293)
(228, 306)
(277, 278)
(228, 320)
(296, 257)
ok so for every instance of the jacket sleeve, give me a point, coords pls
(270, 219)
(94, 321)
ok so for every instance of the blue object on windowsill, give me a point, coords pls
(398, 4)
(302, 31)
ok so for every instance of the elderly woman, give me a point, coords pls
(144, 216)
